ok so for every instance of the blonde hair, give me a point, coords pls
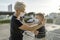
(19, 5)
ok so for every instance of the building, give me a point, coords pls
(55, 17)
(10, 8)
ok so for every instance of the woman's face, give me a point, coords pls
(22, 9)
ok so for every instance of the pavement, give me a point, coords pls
(5, 30)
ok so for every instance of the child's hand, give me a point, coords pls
(36, 32)
(43, 22)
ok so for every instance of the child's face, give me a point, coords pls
(39, 17)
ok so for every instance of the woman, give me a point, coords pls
(17, 28)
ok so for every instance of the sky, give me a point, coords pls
(44, 6)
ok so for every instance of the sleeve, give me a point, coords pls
(42, 29)
(17, 24)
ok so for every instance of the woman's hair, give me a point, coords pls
(19, 5)
(40, 14)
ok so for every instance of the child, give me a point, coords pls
(40, 33)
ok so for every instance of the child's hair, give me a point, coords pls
(40, 14)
